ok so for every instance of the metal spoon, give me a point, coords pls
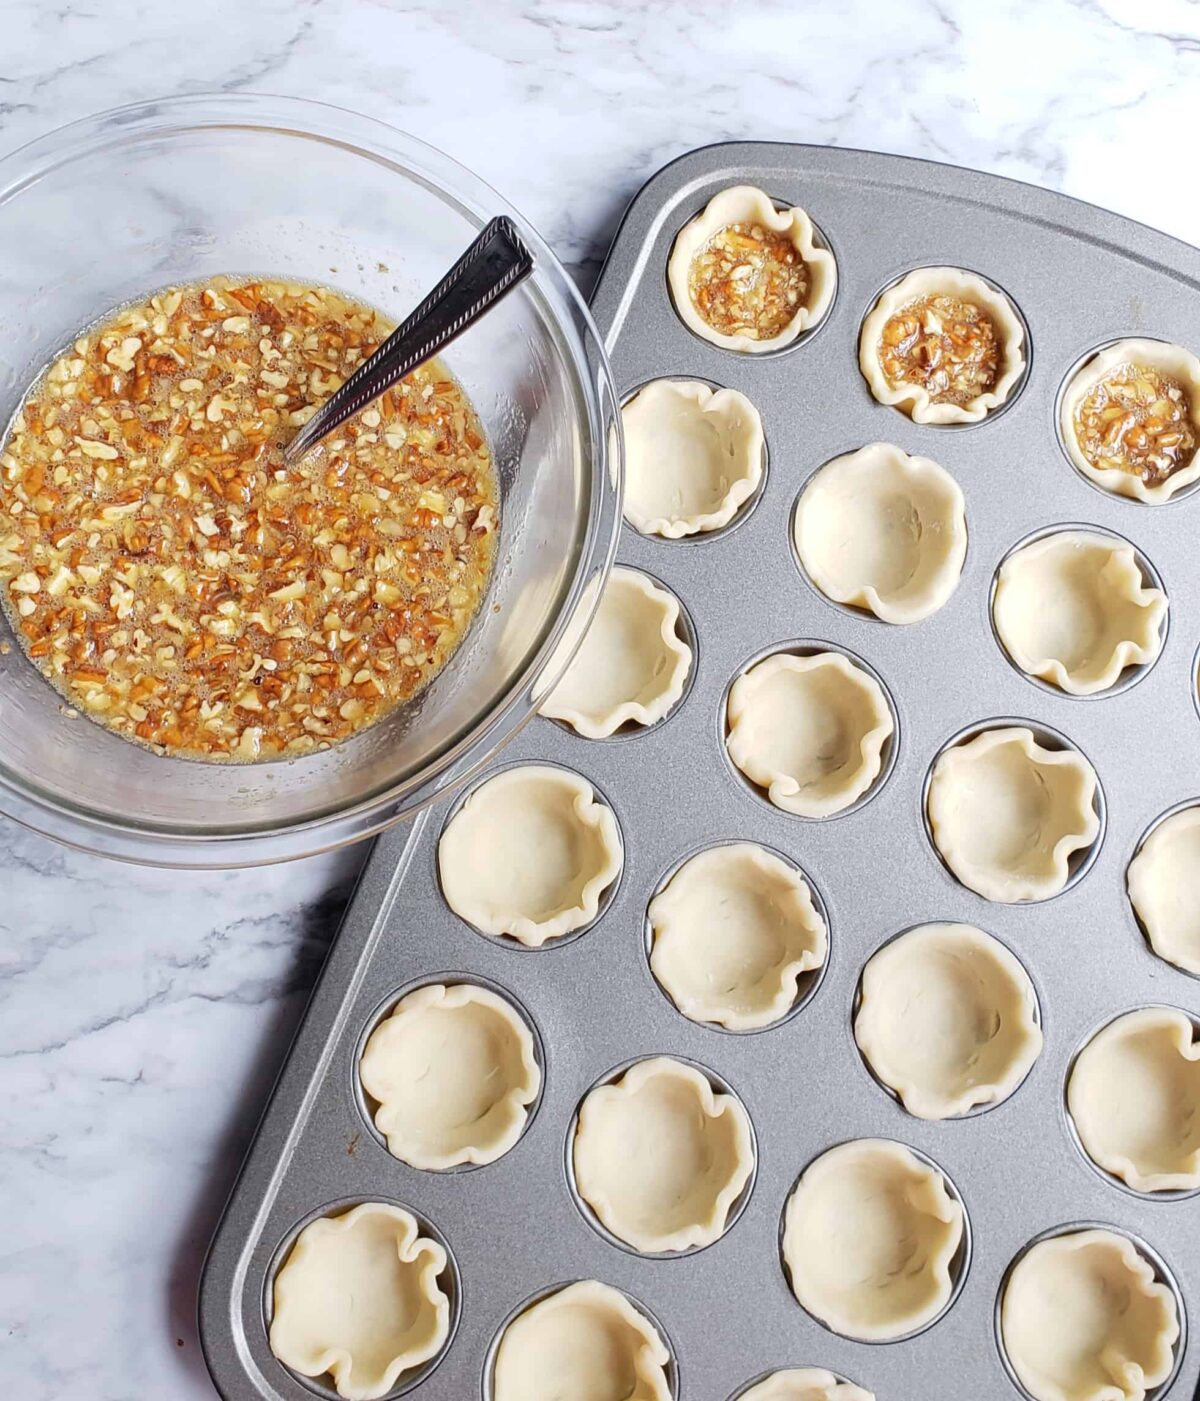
(491, 267)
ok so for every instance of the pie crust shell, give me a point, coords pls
(1164, 888)
(734, 931)
(692, 1145)
(880, 530)
(809, 729)
(1007, 813)
(1083, 1319)
(358, 1297)
(947, 1019)
(744, 204)
(913, 398)
(869, 1235)
(631, 667)
(805, 1384)
(453, 1072)
(1134, 1096)
(693, 456)
(586, 1332)
(1072, 608)
(530, 854)
(1171, 360)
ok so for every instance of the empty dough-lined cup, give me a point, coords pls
(693, 457)
(362, 1296)
(453, 1071)
(1008, 814)
(585, 1340)
(879, 530)
(736, 937)
(947, 1019)
(632, 666)
(1164, 888)
(1072, 608)
(874, 1241)
(530, 854)
(1134, 1097)
(814, 730)
(1083, 1317)
(804, 1384)
(748, 276)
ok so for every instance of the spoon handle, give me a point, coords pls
(492, 266)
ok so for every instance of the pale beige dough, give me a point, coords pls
(453, 1072)
(1072, 608)
(1164, 888)
(1007, 813)
(913, 398)
(805, 1384)
(529, 854)
(870, 1232)
(1083, 1319)
(358, 1297)
(744, 204)
(947, 1019)
(881, 530)
(585, 1342)
(631, 666)
(693, 456)
(733, 932)
(810, 730)
(693, 1149)
(1134, 1095)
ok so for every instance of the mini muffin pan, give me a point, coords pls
(1079, 278)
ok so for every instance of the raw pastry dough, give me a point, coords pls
(913, 398)
(1171, 361)
(1073, 609)
(529, 854)
(693, 1149)
(358, 1297)
(1134, 1094)
(948, 1019)
(1007, 813)
(810, 730)
(805, 1384)
(1083, 1319)
(1164, 886)
(585, 1342)
(631, 666)
(870, 1232)
(880, 530)
(692, 457)
(734, 931)
(453, 1071)
(743, 204)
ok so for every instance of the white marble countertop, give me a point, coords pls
(143, 1014)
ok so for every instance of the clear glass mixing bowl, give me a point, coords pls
(112, 207)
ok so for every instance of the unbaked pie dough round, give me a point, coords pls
(1134, 1096)
(1007, 813)
(632, 665)
(1084, 1319)
(881, 530)
(529, 854)
(1164, 888)
(1073, 609)
(767, 278)
(805, 1384)
(693, 456)
(948, 1019)
(1130, 419)
(586, 1342)
(810, 730)
(734, 931)
(870, 1233)
(358, 1297)
(693, 1150)
(453, 1072)
(945, 321)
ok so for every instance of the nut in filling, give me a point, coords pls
(748, 280)
(944, 344)
(1136, 420)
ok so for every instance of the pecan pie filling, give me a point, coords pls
(1136, 420)
(749, 281)
(947, 346)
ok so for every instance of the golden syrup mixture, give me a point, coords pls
(748, 281)
(1139, 421)
(945, 345)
